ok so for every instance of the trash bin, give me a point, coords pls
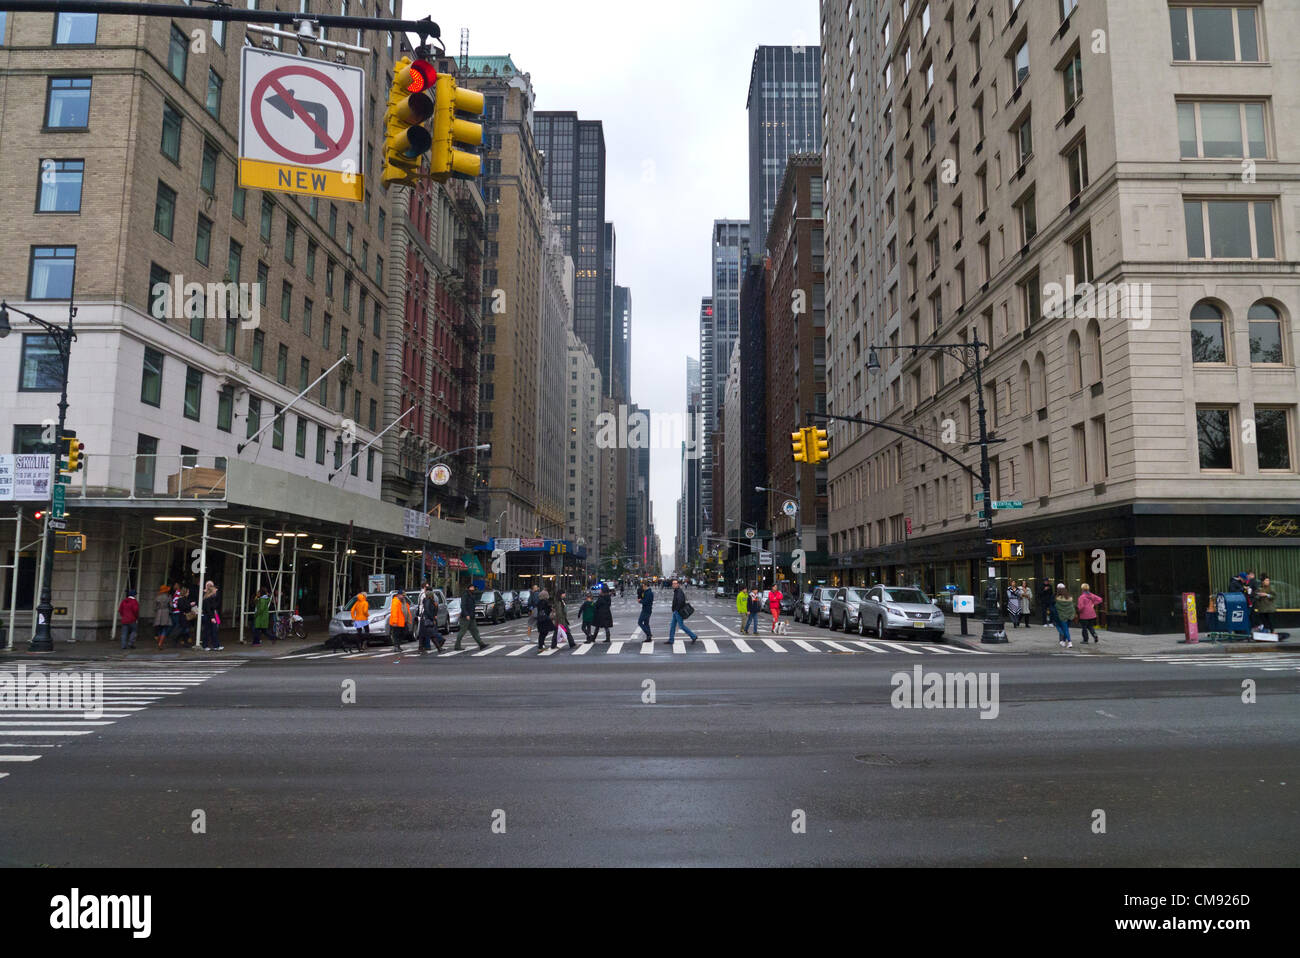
(1230, 613)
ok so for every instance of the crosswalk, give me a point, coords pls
(708, 645)
(30, 729)
(1264, 661)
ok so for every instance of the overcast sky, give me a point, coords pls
(669, 80)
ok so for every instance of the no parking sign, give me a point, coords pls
(300, 126)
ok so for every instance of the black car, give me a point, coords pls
(514, 608)
(491, 607)
(803, 606)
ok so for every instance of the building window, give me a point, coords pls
(178, 54)
(1020, 63)
(171, 133)
(225, 409)
(259, 342)
(203, 240)
(151, 378)
(1208, 340)
(374, 366)
(1076, 164)
(164, 211)
(374, 415)
(68, 103)
(231, 327)
(208, 172)
(146, 462)
(277, 429)
(1072, 79)
(1265, 334)
(234, 262)
(1214, 437)
(1024, 134)
(60, 186)
(193, 392)
(263, 281)
(42, 367)
(1214, 34)
(75, 28)
(1081, 257)
(254, 417)
(320, 444)
(237, 200)
(282, 365)
(370, 466)
(268, 217)
(300, 439)
(286, 299)
(158, 277)
(28, 439)
(1028, 216)
(1030, 300)
(51, 272)
(334, 219)
(213, 103)
(307, 307)
(290, 238)
(338, 452)
(1221, 130)
(1272, 438)
(1229, 229)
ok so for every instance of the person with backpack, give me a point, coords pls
(1063, 613)
(742, 609)
(604, 614)
(128, 614)
(1087, 606)
(399, 614)
(680, 614)
(428, 630)
(647, 605)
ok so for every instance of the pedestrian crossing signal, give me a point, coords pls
(1006, 549)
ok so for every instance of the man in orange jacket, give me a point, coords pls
(398, 614)
(361, 617)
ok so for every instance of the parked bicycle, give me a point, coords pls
(290, 624)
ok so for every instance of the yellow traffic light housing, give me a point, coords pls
(799, 441)
(410, 104)
(448, 130)
(819, 447)
(74, 450)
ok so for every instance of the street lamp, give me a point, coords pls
(428, 467)
(42, 641)
(969, 355)
(795, 500)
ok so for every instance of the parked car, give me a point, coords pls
(820, 608)
(844, 609)
(380, 604)
(789, 597)
(720, 591)
(491, 607)
(887, 610)
(453, 613)
(511, 602)
(803, 606)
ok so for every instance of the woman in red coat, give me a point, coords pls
(774, 603)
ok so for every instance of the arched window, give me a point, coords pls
(1026, 390)
(1209, 344)
(1265, 334)
(1040, 381)
(1074, 360)
(1094, 352)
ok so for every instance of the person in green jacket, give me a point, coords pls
(588, 613)
(742, 608)
(261, 616)
(1064, 614)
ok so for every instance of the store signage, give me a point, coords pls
(1277, 527)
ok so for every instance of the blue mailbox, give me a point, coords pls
(1230, 614)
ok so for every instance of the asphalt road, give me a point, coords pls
(560, 760)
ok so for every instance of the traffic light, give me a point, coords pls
(799, 441)
(410, 103)
(75, 448)
(1004, 549)
(446, 160)
(820, 448)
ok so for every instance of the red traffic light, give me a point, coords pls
(420, 75)
(38, 515)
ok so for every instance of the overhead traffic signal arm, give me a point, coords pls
(410, 104)
(448, 130)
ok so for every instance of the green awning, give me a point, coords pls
(472, 562)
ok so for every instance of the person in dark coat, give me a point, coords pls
(647, 603)
(587, 612)
(604, 615)
(1046, 602)
(428, 634)
(210, 619)
(679, 604)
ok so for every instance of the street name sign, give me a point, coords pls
(300, 125)
(1008, 504)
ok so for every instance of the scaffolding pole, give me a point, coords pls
(243, 586)
(117, 583)
(13, 581)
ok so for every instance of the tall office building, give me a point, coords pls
(1127, 259)
(621, 356)
(553, 362)
(719, 326)
(582, 466)
(574, 178)
(785, 117)
(692, 461)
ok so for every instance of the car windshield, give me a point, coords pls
(826, 594)
(852, 595)
(489, 596)
(915, 596)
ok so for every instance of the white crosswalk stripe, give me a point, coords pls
(29, 729)
(1265, 661)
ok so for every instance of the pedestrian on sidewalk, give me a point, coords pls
(262, 616)
(742, 609)
(774, 598)
(1063, 614)
(162, 614)
(1013, 605)
(186, 614)
(587, 615)
(679, 614)
(1265, 603)
(604, 614)
(647, 604)
(468, 605)
(1026, 595)
(1087, 605)
(128, 613)
(399, 620)
(429, 634)
(1046, 600)
(211, 609)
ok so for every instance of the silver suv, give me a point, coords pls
(904, 610)
(820, 609)
(844, 609)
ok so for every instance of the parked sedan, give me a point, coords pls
(821, 606)
(803, 607)
(844, 609)
(453, 614)
(513, 607)
(491, 607)
(789, 596)
(900, 610)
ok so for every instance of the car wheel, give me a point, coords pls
(880, 628)
(862, 625)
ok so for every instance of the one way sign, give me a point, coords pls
(301, 125)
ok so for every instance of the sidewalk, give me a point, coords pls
(1038, 638)
(146, 649)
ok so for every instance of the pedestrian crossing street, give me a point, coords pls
(1264, 661)
(27, 736)
(708, 645)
